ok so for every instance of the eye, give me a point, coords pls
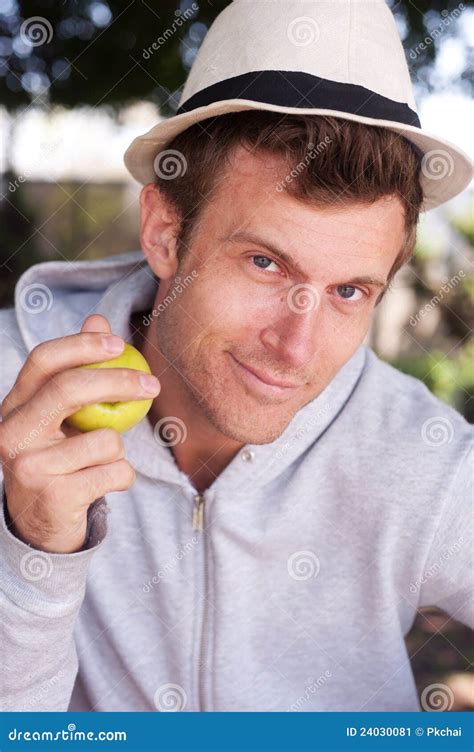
(263, 262)
(347, 293)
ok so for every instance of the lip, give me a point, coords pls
(263, 382)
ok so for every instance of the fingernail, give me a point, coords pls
(113, 344)
(149, 383)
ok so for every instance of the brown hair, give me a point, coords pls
(329, 160)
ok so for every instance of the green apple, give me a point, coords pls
(117, 415)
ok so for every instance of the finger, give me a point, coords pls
(94, 482)
(96, 323)
(76, 453)
(56, 355)
(70, 390)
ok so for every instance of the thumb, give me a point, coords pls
(96, 323)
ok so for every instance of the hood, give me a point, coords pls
(52, 299)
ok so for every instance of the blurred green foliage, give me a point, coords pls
(449, 377)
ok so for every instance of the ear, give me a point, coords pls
(159, 226)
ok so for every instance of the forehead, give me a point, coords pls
(247, 198)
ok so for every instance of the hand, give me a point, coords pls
(53, 473)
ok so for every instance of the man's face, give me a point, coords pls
(294, 320)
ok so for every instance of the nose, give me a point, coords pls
(292, 337)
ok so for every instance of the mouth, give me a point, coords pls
(261, 382)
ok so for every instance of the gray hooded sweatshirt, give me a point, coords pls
(315, 552)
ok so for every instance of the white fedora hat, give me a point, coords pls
(342, 58)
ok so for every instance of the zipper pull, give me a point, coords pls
(198, 512)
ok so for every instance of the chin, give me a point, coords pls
(237, 426)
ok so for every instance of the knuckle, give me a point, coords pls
(111, 442)
(4, 407)
(37, 355)
(66, 383)
(3, 441)
(24, 469)
(123, 475)
(129, 474)
(115, 442)
(87, 341)
(131, 379)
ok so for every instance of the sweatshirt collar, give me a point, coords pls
(255, 464)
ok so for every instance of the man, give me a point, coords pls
(272, 522)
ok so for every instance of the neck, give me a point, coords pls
(204, 452)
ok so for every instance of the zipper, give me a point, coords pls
(198, 512)
(198, 525)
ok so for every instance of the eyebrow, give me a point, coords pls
(251, 237)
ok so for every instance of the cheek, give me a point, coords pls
(228, 305)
